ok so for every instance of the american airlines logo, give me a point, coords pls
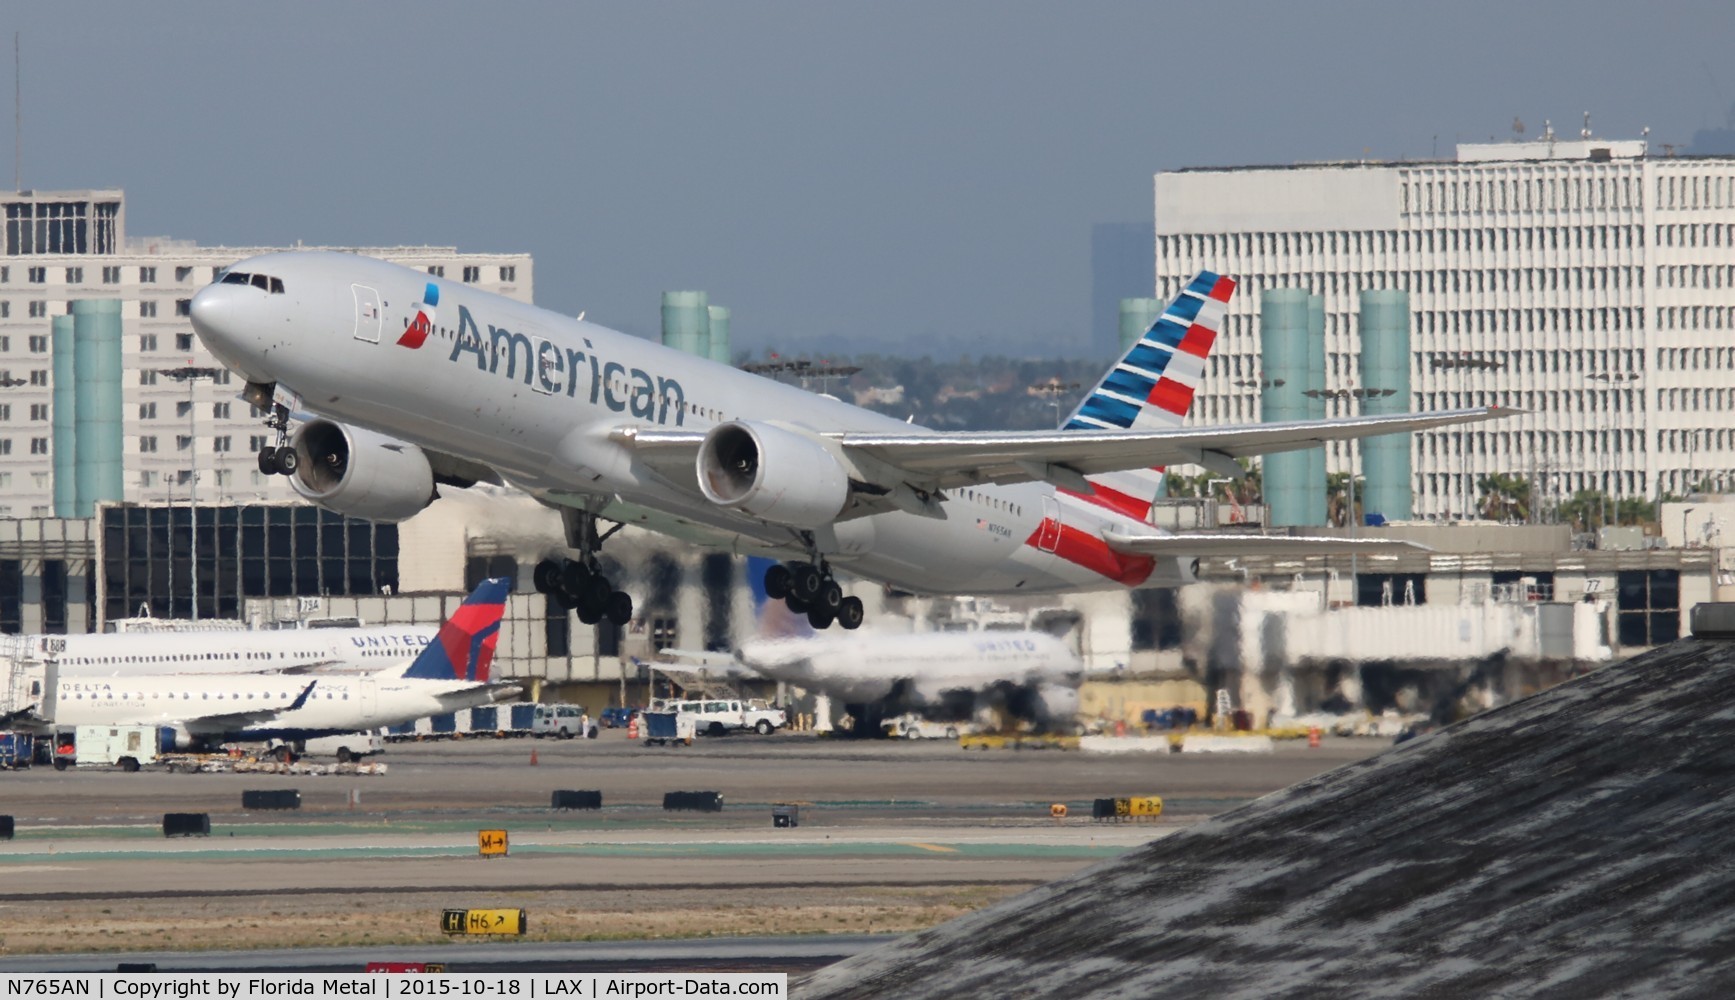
(548, 368)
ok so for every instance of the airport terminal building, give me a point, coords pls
(1584, 281)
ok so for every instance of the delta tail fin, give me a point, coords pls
(1152, 386)
(464, 649)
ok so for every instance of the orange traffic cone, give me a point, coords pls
(633, 728)
(532, 756)
(1313, 737)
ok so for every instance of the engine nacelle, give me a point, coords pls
(359, 473)
(177, 737)
(773, 473)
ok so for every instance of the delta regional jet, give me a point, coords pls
(205, 710)
(405, 382)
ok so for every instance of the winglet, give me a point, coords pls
(464, 649)
(301, 699)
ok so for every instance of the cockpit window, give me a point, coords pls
(264, 282)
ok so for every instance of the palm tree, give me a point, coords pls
(1585, 510)
(1337, 507)
(1504, 498)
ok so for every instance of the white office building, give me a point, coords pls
(65, 245)
(1586, 282)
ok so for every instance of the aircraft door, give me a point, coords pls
(367, 313)
(369, 691)
(1048, 533)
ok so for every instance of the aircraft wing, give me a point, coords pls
(1226, 544)
(938, 461)
(229, 722)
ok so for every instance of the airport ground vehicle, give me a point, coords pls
(564, 721)
(763, 719)
(617, 718)
(669, 728)
(711, 716)
(915, 727)
(346, 747)
(125, 747)
(17, 750)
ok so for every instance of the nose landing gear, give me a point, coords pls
(278, 459)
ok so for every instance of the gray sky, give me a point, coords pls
(845, 177)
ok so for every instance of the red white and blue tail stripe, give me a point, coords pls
(464, 649)
(1152, 387)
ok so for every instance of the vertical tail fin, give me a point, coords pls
(1153, 386)
(464, 649)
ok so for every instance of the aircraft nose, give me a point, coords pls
(212, 313)
(220, 318)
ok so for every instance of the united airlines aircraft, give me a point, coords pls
(408, 382)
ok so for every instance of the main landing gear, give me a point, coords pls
(808, 588)
(578, 584)
(278, 459)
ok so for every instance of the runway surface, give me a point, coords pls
(893, 836)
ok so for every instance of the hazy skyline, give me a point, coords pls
(846, 178)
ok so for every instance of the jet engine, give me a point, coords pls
(773, 473)
(359, 473)
(178, 738)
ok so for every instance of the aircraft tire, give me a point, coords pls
(619, 609)
(574, 576)
(819, 617)
(805, 582)
(796, 604)
(587, 615)
(286, 460)
(850, 613)
(546, 576)
(830, 597)
(777, 582)
(268, 461)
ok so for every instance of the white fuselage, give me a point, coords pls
(867, 668)
(197, 704)
(537, 396)
(123, 654)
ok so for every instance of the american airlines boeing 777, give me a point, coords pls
(407, 382)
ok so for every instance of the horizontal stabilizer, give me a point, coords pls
(1216, 545)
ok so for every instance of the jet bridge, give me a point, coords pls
(28, 681)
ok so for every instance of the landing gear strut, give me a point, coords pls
(278, 459)
(808, 588)
(578, 584)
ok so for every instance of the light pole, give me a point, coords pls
(1361, 396)
(190, 373)
(1463, 362)
(1613, 381)
(1052, 389)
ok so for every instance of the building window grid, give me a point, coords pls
(1451, 320)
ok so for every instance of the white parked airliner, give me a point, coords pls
(327, 650)
(409, 381)
(450, 673)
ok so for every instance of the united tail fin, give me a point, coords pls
(1152, 386)
(464, 649)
